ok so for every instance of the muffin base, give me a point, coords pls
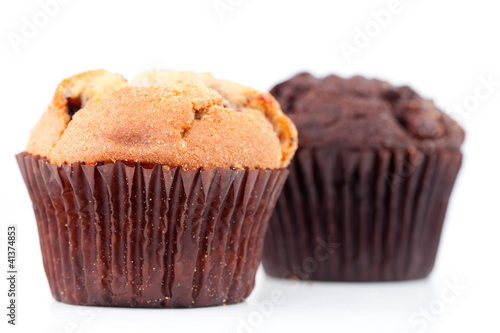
(134, 235)
(360, 215)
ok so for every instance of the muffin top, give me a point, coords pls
(359, 112)
(164, 117)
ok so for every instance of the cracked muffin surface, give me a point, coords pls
(359, 112)
(98, 117)
(235, 96)
(71, 95)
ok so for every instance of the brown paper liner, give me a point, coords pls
(360, 215)
(119, 235)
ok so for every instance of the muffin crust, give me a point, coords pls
(72, 93)
(193, 123)
(359, 112)
(235, 96)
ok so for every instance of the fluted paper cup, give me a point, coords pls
(137, 235)
(360, 215)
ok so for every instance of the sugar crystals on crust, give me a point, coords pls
(193, 122)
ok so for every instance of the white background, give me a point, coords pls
(441, 48)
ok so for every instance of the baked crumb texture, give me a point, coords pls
(164, 117)
(364, 113)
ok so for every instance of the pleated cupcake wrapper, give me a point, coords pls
(360, 215)
(128, 235)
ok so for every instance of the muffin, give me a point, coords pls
(156, 195)
(369, 186)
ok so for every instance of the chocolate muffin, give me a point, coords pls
(368, 189)
(157, 195)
